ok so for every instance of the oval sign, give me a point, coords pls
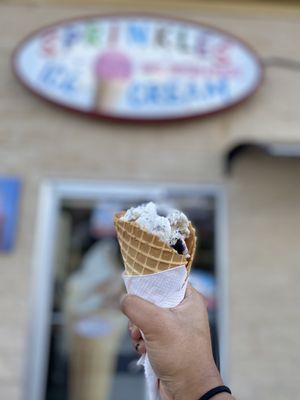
(137, 67)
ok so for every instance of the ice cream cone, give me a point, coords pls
(145, 253)
(108, 93)
(112, 72)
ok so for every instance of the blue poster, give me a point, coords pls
(9, 207)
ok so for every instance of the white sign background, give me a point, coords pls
(137, 67)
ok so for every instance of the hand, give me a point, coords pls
(178, 344)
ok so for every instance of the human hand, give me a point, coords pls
(178, 344)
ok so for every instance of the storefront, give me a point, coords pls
(84, 160)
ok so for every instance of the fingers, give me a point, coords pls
(135, 333)
(139, 346)
(189, 290)
(193, 293)
(136, 338)
(142, 313)
(192, 299)
(189, 296)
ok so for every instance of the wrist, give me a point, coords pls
(197, 385)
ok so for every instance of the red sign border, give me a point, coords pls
(143, 120)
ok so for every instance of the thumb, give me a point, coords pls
(145, 315)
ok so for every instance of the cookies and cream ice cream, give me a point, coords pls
(173, 228)
(150, 242)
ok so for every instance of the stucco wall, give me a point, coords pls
(39, 141)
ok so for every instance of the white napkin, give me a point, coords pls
(165, 289)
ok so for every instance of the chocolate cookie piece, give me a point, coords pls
(179, 246)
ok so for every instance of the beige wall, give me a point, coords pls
(264, 205)
(39, 141)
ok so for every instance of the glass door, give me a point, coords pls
(85, 350)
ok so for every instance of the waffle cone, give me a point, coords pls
(144, 253)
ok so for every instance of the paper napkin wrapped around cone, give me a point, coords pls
(153, 271)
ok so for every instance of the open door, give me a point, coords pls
(79, 347)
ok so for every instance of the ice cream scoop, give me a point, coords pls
(113, 65)
(151, 243)
(172, 229)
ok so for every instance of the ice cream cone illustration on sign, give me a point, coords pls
(112, 70)
(151, 243)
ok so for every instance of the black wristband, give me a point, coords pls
(214, 391)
